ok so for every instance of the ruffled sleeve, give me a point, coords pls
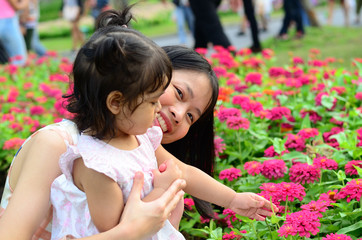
(155, 135)
(67, 159)
(97, 156)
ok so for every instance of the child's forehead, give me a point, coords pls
(155, 94)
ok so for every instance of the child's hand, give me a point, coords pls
(166, 174)
(252, 205)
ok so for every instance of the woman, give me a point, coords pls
(182, 119)
(10, 33)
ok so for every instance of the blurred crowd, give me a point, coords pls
(196, 18)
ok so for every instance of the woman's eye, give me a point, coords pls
(191, 117)
(179, 93)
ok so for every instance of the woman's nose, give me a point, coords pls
(178, 112)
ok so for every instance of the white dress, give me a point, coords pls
(71, 214)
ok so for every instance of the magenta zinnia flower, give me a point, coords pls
(335, 236)
(274, 168)
(295, 141)
(225, 113)
(254, 78)
(13, 143)
(313, 116)
(219, 146)
(304, 173)
(252, 167)
(303, 223)
(325, 163)
(352, 190)
(358, 96)
(236, 123)
(350, 169)
(270, 152)
(278, 113)
(231, 236)
(308, 133)
(230, 174)
(189, 202)
(316, 206)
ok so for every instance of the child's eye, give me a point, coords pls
(179, 92)
(191, 117)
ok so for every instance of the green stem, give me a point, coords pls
(254, 229)
(286, 205)
(271, 235)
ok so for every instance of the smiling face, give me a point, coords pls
(183, 103)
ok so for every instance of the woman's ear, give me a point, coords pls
(113, 102)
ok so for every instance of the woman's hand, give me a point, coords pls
(144, 219)
(252, 205)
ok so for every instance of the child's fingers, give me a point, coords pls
(162, 167)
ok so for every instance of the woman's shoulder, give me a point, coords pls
(66, 129)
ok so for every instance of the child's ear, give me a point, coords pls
(114, 100)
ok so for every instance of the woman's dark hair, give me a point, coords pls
(115, 58)
(197, 147)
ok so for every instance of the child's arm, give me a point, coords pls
(202, 186)
(104, 196)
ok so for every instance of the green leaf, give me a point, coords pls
(243, 218)
(278, 145)
(327, 101)
(306, 122)
(351, 228)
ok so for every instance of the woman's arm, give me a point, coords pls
(204, 187)
(18, 5)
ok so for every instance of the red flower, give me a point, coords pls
(304, 173)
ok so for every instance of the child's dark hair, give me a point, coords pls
(115, 58)
(197, 147)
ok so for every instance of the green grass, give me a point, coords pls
(338, 42)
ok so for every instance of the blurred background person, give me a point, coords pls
(243, 20)
(29, 20)
(344, 5)
(308, 9)
(292, 13)
(183, 14)
(358, 11)
(72, 11)
(264, 9)
(208, 28)
(11, 36)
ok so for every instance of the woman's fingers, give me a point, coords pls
(173, 194)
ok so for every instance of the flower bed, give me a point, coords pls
(292, 134)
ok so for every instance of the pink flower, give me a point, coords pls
(304, 173)
(59, 78)
(335, 236)
(230, 174)
(352, 190)
(240, 99)
(252, 167)
(220, 71)
(219, 146)
(13, 95)
(316, 206)
(358, 96)
(254, 78)
(295, 141)
(350, 169)
(8, 117)
(230, 217)
(332, 141)
(276, 71)
(274, 168)
(236, 123)
(253, 106)
(225, 113)
(189, 202)
(318, 100)
(329, 197)
(37, 110)
(278, 113)
(313, 116)
(244, 52)
(270, 152)
(339, 89)
(325, 163)
(298, 60)
(308, 133)
(13, 144)
(303, 223)
(231, 236)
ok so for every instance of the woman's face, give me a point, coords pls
(183, 102)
